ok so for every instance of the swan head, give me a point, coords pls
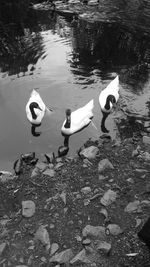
(34, 105)
(68, 118)
(110, 99)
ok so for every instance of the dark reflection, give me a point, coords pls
(104, 117)
(130, 127)
(108, 46)
(33, 130)
(21, 43)
(63, 150)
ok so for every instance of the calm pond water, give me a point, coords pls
(70, 63)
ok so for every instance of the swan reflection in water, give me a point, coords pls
(33, 130)
(104, 117)
(63, 150)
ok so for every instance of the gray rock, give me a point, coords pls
(108, 197)
(145, 156)
(114, 229)
(146, 140)
(35, 172)
(54, 248)
(97, 232)
(86, 190)
(41, 166)
(104, 164)
(103, 246)
(133, 206)
(49, 172)
(2, 247)
(89, 152)
(101, 177)
(58, 165)
(62, 257)
(63, 197)
(86, 242)
(81, 257)
(43, 236)
(6, 176)
(28, 208)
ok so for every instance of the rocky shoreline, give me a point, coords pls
(82, 211)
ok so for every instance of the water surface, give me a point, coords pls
(70, 64)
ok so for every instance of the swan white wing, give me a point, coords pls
(80, 118)
(112, 88)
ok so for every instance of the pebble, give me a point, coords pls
(132, 206)
(43, 236)
(86, 190)
(28, 208)
(108, 198)
(63, 257)
(94, 232)
(49, 172)
(104, 164)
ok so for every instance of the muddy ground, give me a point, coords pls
(64, 208)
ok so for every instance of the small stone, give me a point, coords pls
(43, 259)
(41, 166)
(138, 222)
(28, 208)
(43, 236)
(2, 248)
(34, 172)
(6, 176)
(101, 177)
(63, 257)
(86, 242)
(103, 246)
(104, 164)
(49, 172)
(86, 190)
(94, 232)
(81, 257)
(108, 198)
(58, 165)
(89, 152)
(130, 180)
(114, 229)
(146, 140)
(63, 197)
(54, 248)
(51, 226)
(132, 206)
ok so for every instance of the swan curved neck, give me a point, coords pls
(110, 99)
(68, 121)
(32, 106)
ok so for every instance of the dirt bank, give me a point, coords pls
(67, 195)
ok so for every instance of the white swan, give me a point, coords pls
(108, 99)
(109, 96)
(35, 108)
(78, 119)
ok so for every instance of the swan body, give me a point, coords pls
(109, 96)
(78, 119)
(35, 108)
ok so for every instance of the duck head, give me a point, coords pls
(34, 105)
(68, 118)
(110, 99)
